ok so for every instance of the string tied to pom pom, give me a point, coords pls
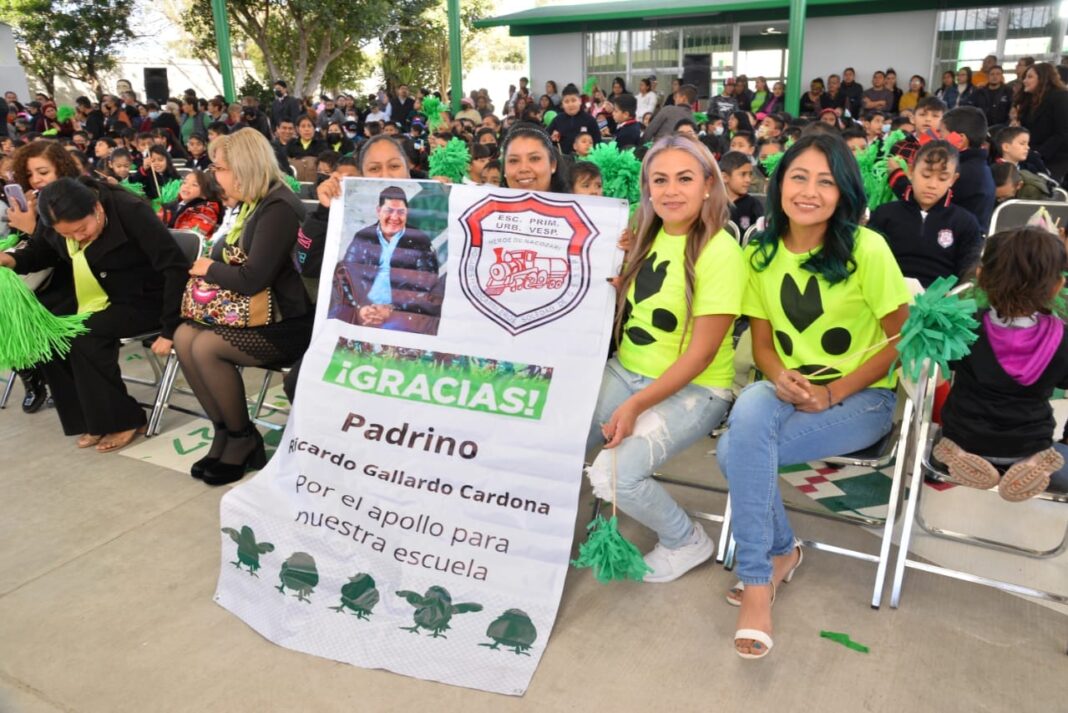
(610, 555)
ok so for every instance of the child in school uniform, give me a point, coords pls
(571, 121)
(929, 236)
(737, 178)
(997, 422)
(628, 129)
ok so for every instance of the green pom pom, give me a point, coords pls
(8, 241)
(64, 113)
(136, 188)
(292, 182)
(620, 171)
(940, 328)
(168, 193)
(450, 160)
(587, 88)
(29, 333)
(432, 108)
(875, 170)
(700, 118)
(548, 117)
(772, 161)
(609, 554)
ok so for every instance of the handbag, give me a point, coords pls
(209, 304)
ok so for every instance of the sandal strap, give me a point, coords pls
(755, 635)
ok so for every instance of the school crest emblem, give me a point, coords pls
(945, 237)
(525, 261)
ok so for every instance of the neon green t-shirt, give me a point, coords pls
(814, 323)
(656, 306)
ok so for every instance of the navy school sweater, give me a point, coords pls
(570, 127)
(945, 241)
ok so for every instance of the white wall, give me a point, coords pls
(12, 76)
(902, 40)
(556, 57)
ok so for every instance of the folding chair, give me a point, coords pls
(8, 387)
(1059, 194)
(734, 230)
(1015, 213)
(921, 465)
(309, 204)
(259, 405)
(307, 190)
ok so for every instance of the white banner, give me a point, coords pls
(418, 514)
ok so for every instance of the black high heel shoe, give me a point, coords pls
(220, 473)
(198, 469)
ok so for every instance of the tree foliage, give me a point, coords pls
(416, 50)
(306, 42)
(76, 39)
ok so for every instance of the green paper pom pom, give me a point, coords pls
(700, 118)
(875, 170)
(168, 193)
(609, 554)
(432, 107)
(292, 182)
(8, 241)
(29, 333)
(548, 117)
(941, 327)
(64, 113)
(450, 160)
(772, 161)
(620, 171)
(589, 85)
(136, 188)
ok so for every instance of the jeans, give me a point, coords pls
(765, 433)
(659, 433)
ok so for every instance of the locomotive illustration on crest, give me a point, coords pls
(526, 258)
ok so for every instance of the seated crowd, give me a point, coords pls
(821, 283)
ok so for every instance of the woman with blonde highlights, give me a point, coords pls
(669, 384)
(265, 230)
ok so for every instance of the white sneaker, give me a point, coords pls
(668, 565)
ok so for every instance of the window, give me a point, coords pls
(966, 36)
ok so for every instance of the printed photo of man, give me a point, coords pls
(388, 277)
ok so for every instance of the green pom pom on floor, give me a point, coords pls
(29, 333)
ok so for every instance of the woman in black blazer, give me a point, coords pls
(1042, 108)
(129, 274)
(305, 144)
(266, 230)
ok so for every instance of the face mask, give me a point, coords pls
(718, 130)
(153, 115)
(350, 134)
(278, 93)
(334, 136)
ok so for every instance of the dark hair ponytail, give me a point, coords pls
(558, 183)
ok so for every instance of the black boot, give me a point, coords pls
(221, 473)
(218, 443)
(36, 390)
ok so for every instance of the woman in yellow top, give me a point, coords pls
(822, 293)
(670, 382)
(128, 274)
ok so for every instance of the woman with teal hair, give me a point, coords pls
(822, 294)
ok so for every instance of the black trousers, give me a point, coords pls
(87, 385)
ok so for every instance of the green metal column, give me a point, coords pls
(796, 47)
(455, 56)
(222, 43)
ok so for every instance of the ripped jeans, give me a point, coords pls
(660, 433)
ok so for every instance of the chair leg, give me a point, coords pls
(8, 387)
(923, 409)
(892, 506)
(163, 394)
(725, 538)
(268, 375)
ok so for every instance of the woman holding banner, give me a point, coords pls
(669, 384)
(822, 296)
(265, 230)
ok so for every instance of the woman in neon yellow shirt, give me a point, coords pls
(822, 293)
(670, 382)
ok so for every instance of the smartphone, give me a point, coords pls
(14, 193)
